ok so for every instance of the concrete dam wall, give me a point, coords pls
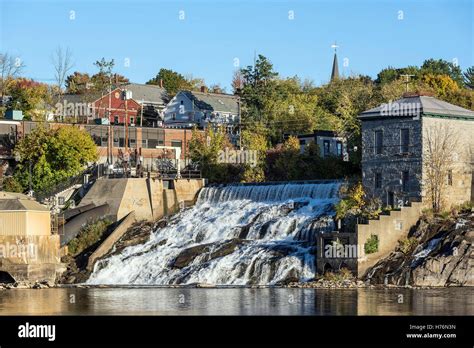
(151, 199)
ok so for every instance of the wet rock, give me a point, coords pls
(212, 251)
(161, 224)
(444, 257)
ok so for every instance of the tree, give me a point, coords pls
(30, 96)
(286, 165)
(255, 139)
(216, 88)
(469, 77)
(204, 149)
(237, 82)
(443, 67)
(391, 74)
(53, 156)
(172, 81)
(442, 85)
(10, 68)
(440, 142)
(62, 63)
(103, 79)
(257, 88)
(78, 83)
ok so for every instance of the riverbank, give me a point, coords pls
(317, 284)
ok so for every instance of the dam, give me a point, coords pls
(233, 235)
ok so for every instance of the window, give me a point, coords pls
(405, 180)
(378, 180)
(116, 120)
(326, 148)
(302, 141)
(131, 120)
(404, 140)
(174, 116)
(104, 142)
(378, 142)
(450, 177)
(339, 148)
(176, 143)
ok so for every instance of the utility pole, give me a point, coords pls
(240, 124)
(407, 81)
(141, 114)
(126, 121)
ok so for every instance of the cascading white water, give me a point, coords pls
(234, 235)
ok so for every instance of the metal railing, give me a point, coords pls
(62, 185)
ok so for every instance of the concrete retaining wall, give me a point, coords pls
(149, 198)
(30, 258)
(389, 229)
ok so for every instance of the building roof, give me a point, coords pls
(417, 105)
(214, 101)
(150, 94)
(18, 201)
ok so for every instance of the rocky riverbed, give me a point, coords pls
(438, 252)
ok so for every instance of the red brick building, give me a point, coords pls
(116, 109)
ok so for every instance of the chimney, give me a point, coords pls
(203, 89)
(161, 83)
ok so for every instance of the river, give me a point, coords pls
(236, 301)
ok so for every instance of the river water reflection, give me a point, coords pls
(236, 301)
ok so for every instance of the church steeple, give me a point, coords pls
(335, 67)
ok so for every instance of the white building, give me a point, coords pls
(202, 109)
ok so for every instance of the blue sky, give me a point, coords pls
(151, 35)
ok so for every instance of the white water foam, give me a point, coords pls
(234, 235)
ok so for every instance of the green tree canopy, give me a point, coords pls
(443, 67)
(469, 77)
(172, 81)
(54, 155)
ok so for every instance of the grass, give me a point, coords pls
(88, 236)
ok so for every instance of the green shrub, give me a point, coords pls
(10, 184)
(372, 244)
(88, 236)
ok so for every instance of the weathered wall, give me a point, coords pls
(187, 189)
(391, 162)
(22, 223)
(389, 229)
(147, 197)
(461, 133)
(30, 258)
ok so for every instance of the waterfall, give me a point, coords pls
(234, 235)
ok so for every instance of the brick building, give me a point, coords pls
(142, 141)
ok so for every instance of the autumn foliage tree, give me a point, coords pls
(52, 155)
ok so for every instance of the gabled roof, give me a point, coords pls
(417, 105)
(213, 101)
(147, 93)
(18, 201)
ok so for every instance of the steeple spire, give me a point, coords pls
(335, 67)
